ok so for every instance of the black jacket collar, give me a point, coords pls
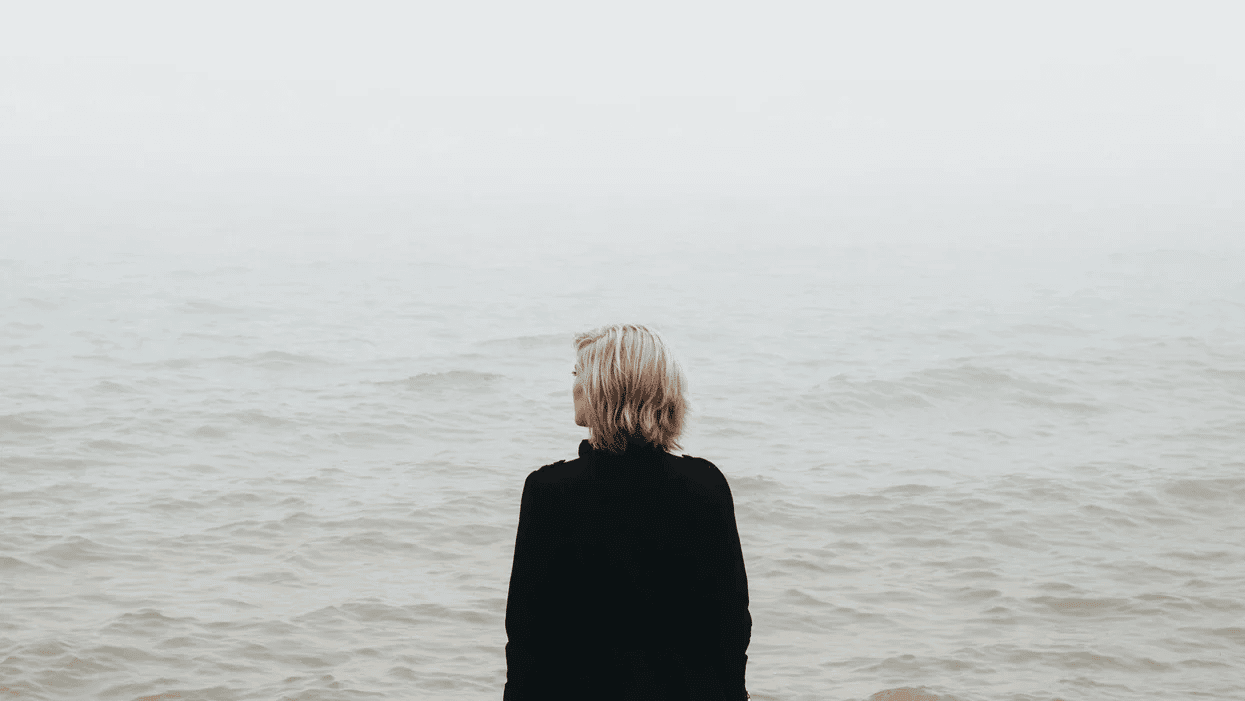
(635, 444)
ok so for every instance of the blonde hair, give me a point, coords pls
(632, 386)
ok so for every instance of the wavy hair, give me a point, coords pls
(633, 386)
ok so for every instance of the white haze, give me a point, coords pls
(251, 124)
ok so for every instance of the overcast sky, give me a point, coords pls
(445, 96)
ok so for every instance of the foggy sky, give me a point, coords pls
(1118, 106)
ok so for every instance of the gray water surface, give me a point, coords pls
(992, 475)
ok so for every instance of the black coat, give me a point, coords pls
(628, 582)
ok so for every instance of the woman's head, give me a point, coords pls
(628, 383)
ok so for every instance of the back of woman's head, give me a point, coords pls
(633, 386)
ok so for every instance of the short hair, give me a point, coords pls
(633, 386)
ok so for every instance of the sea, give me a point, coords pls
(290, 468)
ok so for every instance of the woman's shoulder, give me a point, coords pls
(699, 470)
(559, 471)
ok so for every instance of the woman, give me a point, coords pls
(628, 579)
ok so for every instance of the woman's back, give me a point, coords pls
(628, 581)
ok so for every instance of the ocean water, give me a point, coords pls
(996, 474)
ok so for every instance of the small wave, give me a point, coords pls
(305, 563)
(443, 613)
(1045, 330)
(922, 543)
(234, 339)
(909, 694)
(970, 594)
(268, 360)
(972, 562)
(1084, 659)
(939, 386)
(174, 505)
(799, 598)
(13, 423)
(973, 379)
(39, 463)
(1020, 541)
(1208, 490)
(551, 340)
(365, 439)
(1220, 374)
(370, 612)
(378, 542)
(12, 564)
(978, 574)
(1058, 407)
(1196, 556)
(1234, 634)
(40, 304)
(210, 432)
(326, 614)
(754, 484)
(123, 656)
(47, 649)
(236, 603)
(912, 665)
(181, 363)
(78, 550)
(204, 307)
(276, 360)
(475, 534)
(1081, 607)
(1216, 604)
(277, 576)
(847, 395)
(235, 499)
(374, 524)
(258, 417)
(148, 622)
(453, 380)
(109, 387)
(105, 445)
(910, 489)
(797, 564)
